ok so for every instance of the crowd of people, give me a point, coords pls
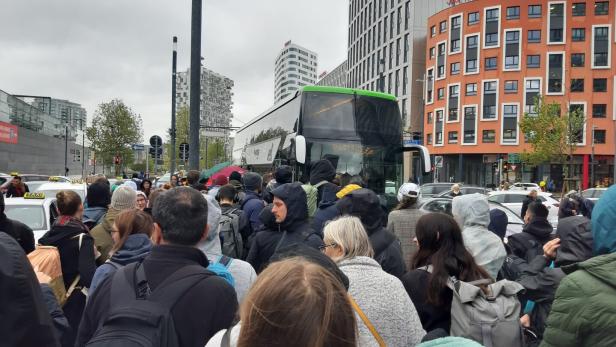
(249, 261)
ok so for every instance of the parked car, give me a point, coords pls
(593, 194)
(524, 186)
(443, 205)
(37, 211)
(51, 188)
(465, 190)
(513, 199)
(5, 179)
(429, 190)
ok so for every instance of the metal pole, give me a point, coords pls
(83, 155)
(592, 159)
(147, 165)
(195, 84)
(65, 149)
(155, 158)
(173, 77)
(206, 153)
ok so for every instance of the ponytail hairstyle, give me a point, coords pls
(68, 202)
(441, 245)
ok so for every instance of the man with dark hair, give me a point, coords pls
(536, 232)
(228, 199)
(18, 230)
(192, 178)
(17, 188)
(207, 306)
(530, 198)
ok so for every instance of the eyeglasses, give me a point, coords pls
(324, 247)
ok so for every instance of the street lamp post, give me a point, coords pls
(195, 84)
(66, 149)
(173, 91)
(592, 158)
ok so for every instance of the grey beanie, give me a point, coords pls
(123, 198)
(252, 181)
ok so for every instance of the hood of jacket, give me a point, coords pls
(93, 214)
(471, 210)
(136, 247)
(329, 197)
(575, 240)
(603, 222)
(294, 198)
(540, 228)
(267, 218)
(64, 227)
(498, 223)
(283, 174)
(211, 244)
(366, 205)
(601, 267)
(322, 170)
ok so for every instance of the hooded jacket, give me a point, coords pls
(473, 214)
(282, 175)
(135, 249)
(529, 243)
(323, 170)
(541, 281)
(102, 234)
(603, 222)
(366, 205)
(25, 316)
(326, 210)
(295, 228)
(252, 206)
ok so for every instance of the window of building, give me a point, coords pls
(492, 15)
(432, 30)
(512, 62)
(406, 48)
(513, 12)
(440, 94)
(578, 34)
(602, 8)
(599, 136)
(440, 60)
(578, 9)
(533, 61)
(456, 46)
(439, 126)
(430, 118)
(452, 137)
(442, 26)
(601, 47)
(491, 39)
(511, 87)
(429, 139)
(430, 86)
(510, 124)
(455, 68)
(471, 89)
(473, 18)
(577, 59)
(512, 36)
(534, 36)
(599, 110)
(470, 123)
(490, 100)
(599, 85)
(471, 41)
(532, 89)
(534, 11)
(471, 65)
(577, 85)
(489, 136)
(491, 63)
(432, 53)
(456, 22)
(491, 27)
(555, 72)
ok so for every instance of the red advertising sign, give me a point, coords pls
(8, 133)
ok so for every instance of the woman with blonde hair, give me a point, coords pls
(294, 302)
(385, 314)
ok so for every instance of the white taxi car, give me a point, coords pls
(34, 210)
(51, 188)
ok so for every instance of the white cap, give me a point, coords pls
(410, 190)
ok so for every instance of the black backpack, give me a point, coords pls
(140, 317)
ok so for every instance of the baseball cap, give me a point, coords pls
(410, 190)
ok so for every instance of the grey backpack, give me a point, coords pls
(231, 239)
(491, 319)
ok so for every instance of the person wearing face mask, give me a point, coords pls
(76, 248)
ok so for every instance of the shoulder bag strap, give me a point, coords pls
(367, 322)
(280, 241)
(226, 338)
(73, 285)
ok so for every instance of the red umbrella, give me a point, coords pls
(228, 170)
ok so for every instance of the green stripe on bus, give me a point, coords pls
(340, 90)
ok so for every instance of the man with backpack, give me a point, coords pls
(237, 272)
(252, 204)
(291, 215)
(322, 173)
(171, 286)
(234, 226)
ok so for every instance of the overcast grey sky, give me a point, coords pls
(93, 51)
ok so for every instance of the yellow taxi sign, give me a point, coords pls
(34, 196)
(14, 173)
(55, 179)
(76, 181)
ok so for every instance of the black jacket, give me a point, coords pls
(431, 316)
(323, 170)
(529, 243)
(326, 211)
(205, 309)
(541, 281)
(366, 205)
(295, 229)
(24, 317)
(529, 200)
(11, 191)
(20, 232)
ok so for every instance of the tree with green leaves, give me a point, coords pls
(115, 127)
(553, 138)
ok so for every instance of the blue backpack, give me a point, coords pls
(221, 269)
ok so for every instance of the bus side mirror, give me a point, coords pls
(300, 149)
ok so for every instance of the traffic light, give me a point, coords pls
(155, 154)
(184, 151)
